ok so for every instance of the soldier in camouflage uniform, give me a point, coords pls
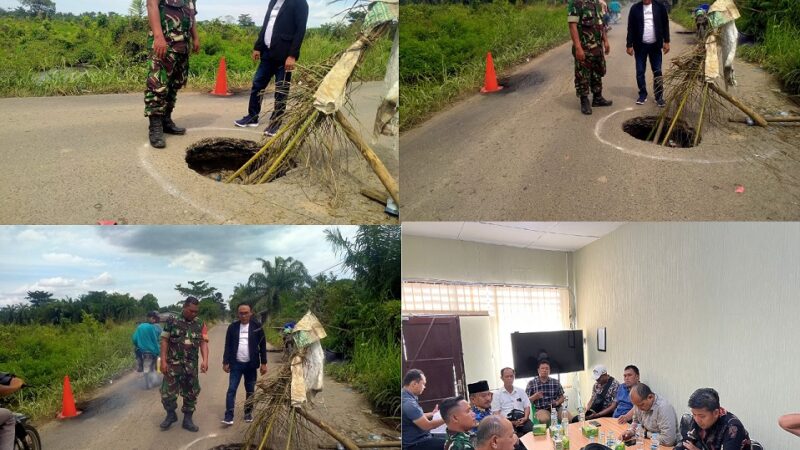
(172, 33)
(460, 419)
(180, 342)
(589, 43)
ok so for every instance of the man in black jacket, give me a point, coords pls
(277, 49)
(648, 35)
(245, 351)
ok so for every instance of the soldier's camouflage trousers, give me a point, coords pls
(180, 379)
(167, 75)
(589, 73)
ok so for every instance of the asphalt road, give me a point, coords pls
(78, 160)
(124, 416)
(527, 153)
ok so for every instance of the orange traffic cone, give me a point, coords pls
(221, 87)
(68, 409)
(490, 81)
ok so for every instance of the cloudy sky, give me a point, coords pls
(72, 260)
(319, 11)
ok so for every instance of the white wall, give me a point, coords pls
(479, 344)
(700, 305)
(446, 259)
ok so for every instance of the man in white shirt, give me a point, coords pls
(511, 398)
(245, 352)
(648, 36)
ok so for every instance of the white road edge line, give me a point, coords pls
(602, 121)
(190, 444)
(172, 190)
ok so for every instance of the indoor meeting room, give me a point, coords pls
(630, 335)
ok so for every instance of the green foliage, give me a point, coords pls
(775, 27)
(212, 306)
(443, 50)
(375, 371)
(98, 53)
(89, 352)
(99, 305)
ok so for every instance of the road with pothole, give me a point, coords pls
(527, 153)
(123, 415)
(79, 160)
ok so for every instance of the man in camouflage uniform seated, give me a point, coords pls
(460, 419)
(589, 43)
(172, 32)
(180, 341)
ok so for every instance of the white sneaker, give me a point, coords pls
(227, 422)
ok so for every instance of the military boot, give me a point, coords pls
(157, 133)
(598, 100)
(586, 108)
(187, 422)
(169, 125)
(169, 420)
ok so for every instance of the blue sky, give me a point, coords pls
(72, 260)
(319, 11)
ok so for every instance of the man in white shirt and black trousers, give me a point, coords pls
(277, 49)
(245, 353)
(648, 36)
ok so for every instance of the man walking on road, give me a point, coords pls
(277, 50)
(245, 351)
(172, 32)
(146, 344)
(180, 341)
(648, 36)
(589, 47)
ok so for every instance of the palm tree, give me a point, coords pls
(285, 275)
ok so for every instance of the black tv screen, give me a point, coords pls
(563, 349)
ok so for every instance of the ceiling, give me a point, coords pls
(561, 236)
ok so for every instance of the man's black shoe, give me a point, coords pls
(586, 108)
(169, 420)
(157, 132)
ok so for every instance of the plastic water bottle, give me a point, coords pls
(582, 416)
(553, 418)
(564, 418)
(639, 436)
(654, 441)
(610, 439)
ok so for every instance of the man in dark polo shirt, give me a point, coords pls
(415, 423)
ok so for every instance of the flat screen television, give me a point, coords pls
(564, 350)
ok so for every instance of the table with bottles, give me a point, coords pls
(577, 440)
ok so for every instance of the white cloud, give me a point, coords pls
(56, 282)
(66, 258)
(31, 235)
(192, 261)
(104, 279)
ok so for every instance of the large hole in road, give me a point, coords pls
(643, 128)
(219, 158)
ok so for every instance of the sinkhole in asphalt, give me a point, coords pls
(218, 158)
(642, 128)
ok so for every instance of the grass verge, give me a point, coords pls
(375, 372)
(443, 49)
(90, 353)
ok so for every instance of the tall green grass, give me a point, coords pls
(443, 49)
(60, 57)
(374, 371)
(779, 53)
(89, 352)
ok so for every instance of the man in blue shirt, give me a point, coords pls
(480, 400)
(146, 344)
(630, 378)
(415, 423)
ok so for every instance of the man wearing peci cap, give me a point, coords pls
(604, 394)
(480, 400)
